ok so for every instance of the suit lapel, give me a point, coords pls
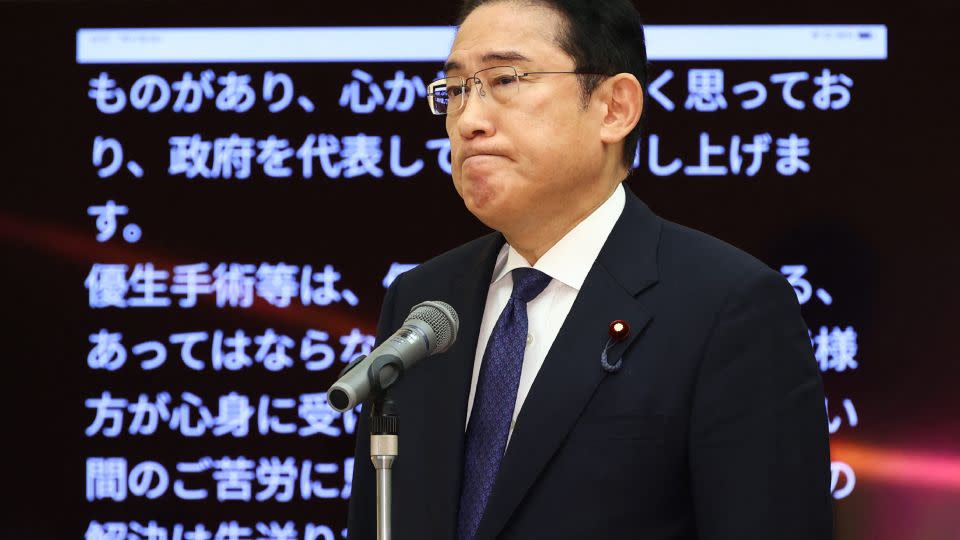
(449, 380)
(571, 371)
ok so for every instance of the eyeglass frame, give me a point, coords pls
(517, 73)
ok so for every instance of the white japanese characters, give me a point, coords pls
(834, 349)
(196, 156)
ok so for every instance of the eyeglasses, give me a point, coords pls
(448, 96)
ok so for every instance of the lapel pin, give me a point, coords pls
(618, 330)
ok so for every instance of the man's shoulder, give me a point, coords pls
(441, 268)
(703, 263)
(685, 245)
(684, 256)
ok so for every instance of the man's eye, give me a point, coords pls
(454, 90)
(504, 80)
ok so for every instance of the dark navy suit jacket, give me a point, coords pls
(714, 428)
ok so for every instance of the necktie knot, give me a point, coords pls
(528, 283)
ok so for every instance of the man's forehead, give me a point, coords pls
(505, 56)
(505, 33)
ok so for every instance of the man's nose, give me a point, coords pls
(476, 87)
(475, 118)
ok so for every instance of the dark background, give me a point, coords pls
(874, 221)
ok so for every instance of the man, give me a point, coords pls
(698, 416)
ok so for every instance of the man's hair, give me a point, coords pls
(602, 36)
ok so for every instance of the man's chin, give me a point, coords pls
(479, 192)
(485, 207)
(486, 197)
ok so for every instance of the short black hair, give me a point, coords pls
(602, 36)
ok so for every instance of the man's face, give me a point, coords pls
(526, 161)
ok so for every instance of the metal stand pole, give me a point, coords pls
(384, 446)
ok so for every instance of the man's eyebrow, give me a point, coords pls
(504, 56)
(498, 56)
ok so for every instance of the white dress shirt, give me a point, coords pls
(568, 263)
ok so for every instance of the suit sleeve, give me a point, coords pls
(759, 453)
(362, 516)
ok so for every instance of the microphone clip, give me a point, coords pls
(383, 372)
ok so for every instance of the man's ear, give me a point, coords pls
(622, 95)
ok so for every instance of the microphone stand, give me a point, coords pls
(384, 436)
(384, 443)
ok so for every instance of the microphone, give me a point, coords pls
(430, 328)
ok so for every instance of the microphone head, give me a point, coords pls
(442, 319)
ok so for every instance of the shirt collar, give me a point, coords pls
(570, 259)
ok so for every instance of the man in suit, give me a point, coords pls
(706, 418)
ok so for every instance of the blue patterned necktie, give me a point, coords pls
(494, 400)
